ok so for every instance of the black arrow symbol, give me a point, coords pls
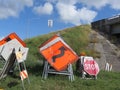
(62, 51)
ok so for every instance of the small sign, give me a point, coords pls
(23, 74)
(50, 23)
(91, 66)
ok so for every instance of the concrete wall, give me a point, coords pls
(115, 29)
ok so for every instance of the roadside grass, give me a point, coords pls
(105, 81)
(77, 38)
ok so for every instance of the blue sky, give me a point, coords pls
(29, 18)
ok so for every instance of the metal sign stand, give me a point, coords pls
(2, 62)
(84, 74)
(47, 70)
(8, 64)
(22, 68)
(90, 76)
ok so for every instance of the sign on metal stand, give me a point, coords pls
(48, 70)
(20, 57)
(90, 66)
(59, 56)
(13, 50)
(7, 64)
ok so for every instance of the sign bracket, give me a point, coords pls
(48, 70)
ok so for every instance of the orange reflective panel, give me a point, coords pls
(10, 37)
(58, 53)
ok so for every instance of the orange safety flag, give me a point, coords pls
(23, 74)
(58, 53)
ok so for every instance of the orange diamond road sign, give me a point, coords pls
(58, 53)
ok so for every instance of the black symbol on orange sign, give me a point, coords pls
(62, 51)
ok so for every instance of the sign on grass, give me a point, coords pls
(90, 66)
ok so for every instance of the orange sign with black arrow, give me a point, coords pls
(58, 53)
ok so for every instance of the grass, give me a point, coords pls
(77, 38)
(105, 81)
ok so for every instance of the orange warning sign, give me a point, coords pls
(58, 53)
(10, 37)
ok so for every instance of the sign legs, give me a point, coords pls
(47, 70)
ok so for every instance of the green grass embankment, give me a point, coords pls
(77, 38)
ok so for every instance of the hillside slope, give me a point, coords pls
(76, 37)
(80, 39)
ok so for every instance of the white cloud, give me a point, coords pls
(86, 15)
(98, 4)
(63, 1)
(68, 2)
(46, 9)
(52, 1)
(13, 7)
(89, 3)
(94, 3)
(115, 4)
(68, 10)
(70, 14)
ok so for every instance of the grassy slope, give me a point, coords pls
(76, 38)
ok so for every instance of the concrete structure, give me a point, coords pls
(110, 26)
